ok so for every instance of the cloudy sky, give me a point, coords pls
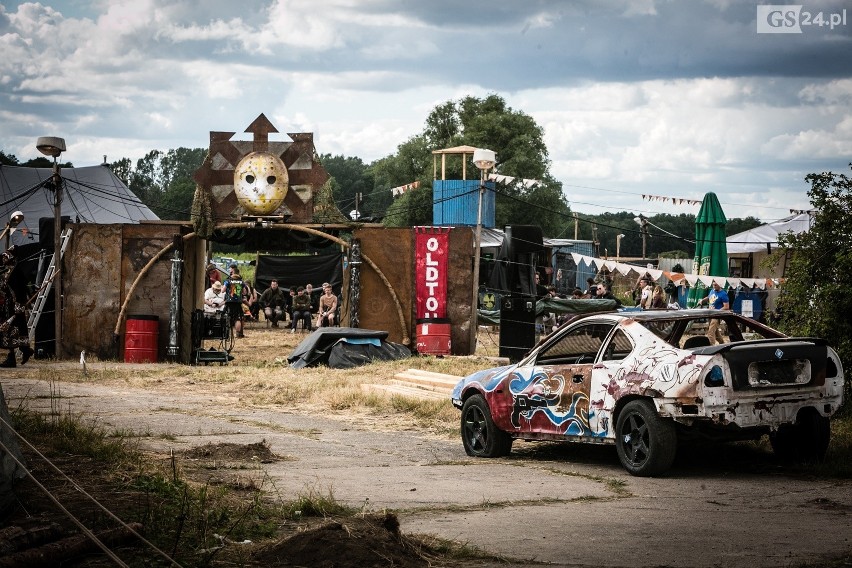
(636, 98)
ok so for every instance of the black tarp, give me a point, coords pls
(345, 347)
(300, 270)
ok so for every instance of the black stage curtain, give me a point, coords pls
(300, 270)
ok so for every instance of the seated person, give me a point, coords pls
(327, 307)
(309, 292)
(274, 303)
(301, 310)
(214, 298)
(252, 310)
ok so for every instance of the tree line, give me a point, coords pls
(163, 181)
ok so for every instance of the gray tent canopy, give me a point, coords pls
(92, 194)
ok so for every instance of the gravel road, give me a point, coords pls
(560, 505)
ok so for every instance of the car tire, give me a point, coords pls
(806, 440)
(480, 436)
(646, 443)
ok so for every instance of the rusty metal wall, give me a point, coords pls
(99, 267)
(393, 251)
(90, 276)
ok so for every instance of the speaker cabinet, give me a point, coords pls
(45, 231)
(524, 239)
(517, 326)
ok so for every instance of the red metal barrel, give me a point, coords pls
(141, 337)
(433, 337)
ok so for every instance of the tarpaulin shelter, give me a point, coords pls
(92, 194)
(345, 347)
(765, 237)
(711, 254)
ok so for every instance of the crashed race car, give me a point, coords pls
(644, 380)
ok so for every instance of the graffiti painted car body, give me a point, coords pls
(643, 380)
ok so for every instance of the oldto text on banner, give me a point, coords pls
(431, 251)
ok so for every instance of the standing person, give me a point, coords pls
(235, 296)
(327, 307)
(274, 303)
(214, 298)
(13, 327)
(301, 310)
(647, 294)
(603, 293)
(212, 274)
(658, 300)
(718, 300)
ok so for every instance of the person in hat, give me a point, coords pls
(212, 272)
(214, 298)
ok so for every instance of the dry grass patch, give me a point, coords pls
(260, 376)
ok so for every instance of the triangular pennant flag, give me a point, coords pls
(610, 265)
(655, 274)
(734, 282)
(623, 269)
(577, 258)
(747, 282)
(706, 280)
(588, 260)
(691, 278)
(599, 263)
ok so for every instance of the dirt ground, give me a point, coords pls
(545, 504)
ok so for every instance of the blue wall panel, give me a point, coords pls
(455, 202)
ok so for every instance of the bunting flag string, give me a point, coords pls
(675, 200)
(678, 278)
(403, 188)
(527, 183)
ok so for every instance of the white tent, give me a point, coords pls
(92, 194)
(757, 239)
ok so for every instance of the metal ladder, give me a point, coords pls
(38, 304)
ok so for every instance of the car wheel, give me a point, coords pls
(645, 442)
(806, 440)
(480, 436)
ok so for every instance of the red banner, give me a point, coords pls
(431, 248)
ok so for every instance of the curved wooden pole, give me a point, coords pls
(250, 225)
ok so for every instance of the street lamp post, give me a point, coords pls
(53, 147)
(484, 160)
(618, 247)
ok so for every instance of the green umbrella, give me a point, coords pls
(711, 249)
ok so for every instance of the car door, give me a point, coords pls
(551, 394)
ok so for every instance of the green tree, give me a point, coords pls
(122, 169)
(351, 176)
(816, 298)
(8, 159)
(410, 209)
(485, 123)
(412, 162)
(163, 181)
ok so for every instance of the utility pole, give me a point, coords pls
(53, 146)
(595, 238)
(576, 226)
(643, 223)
